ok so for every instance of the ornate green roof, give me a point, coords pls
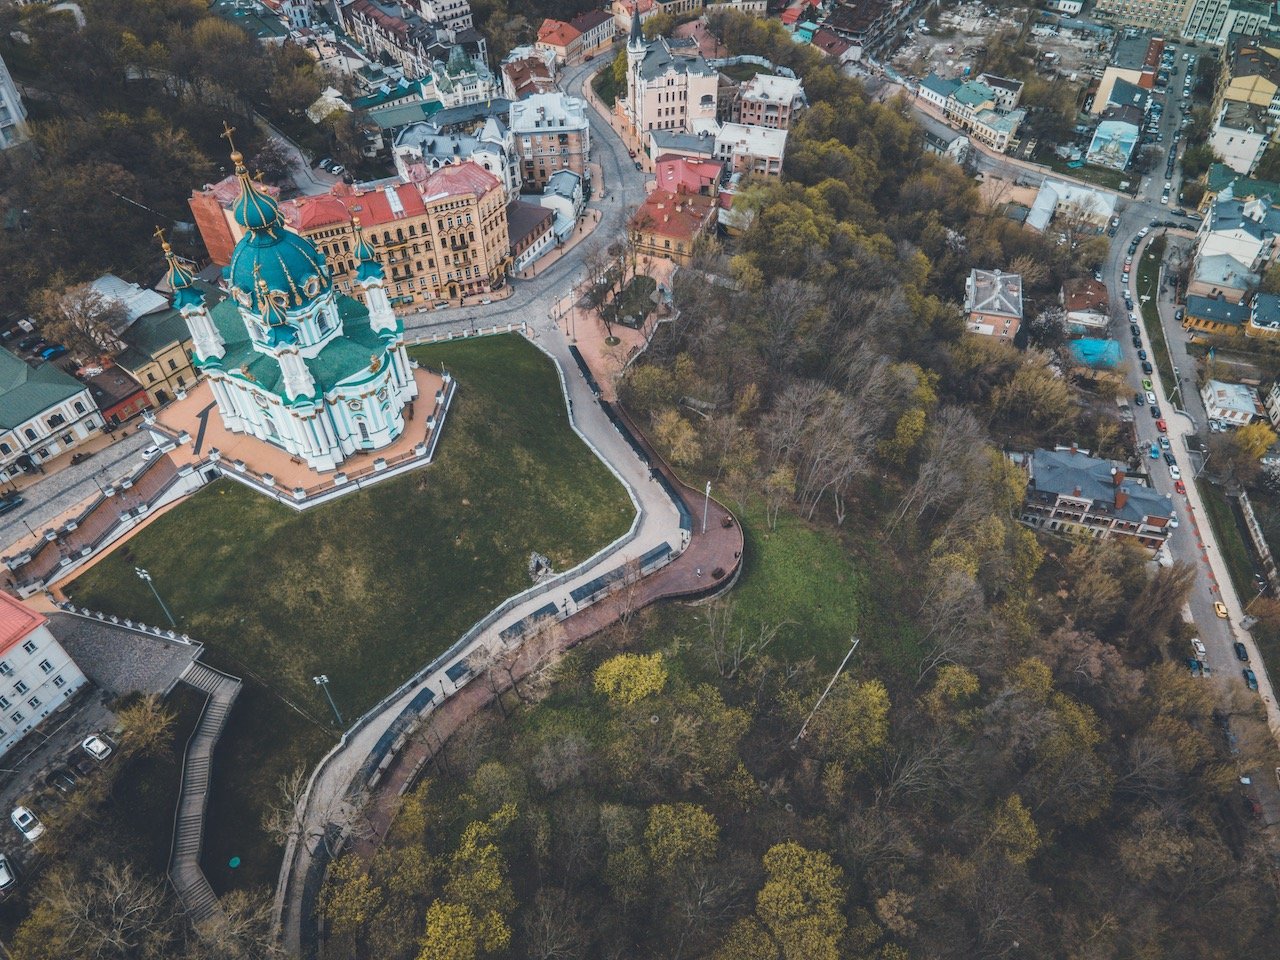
(344, 357)
(27, 392)
(270, 253)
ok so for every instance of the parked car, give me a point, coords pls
(1139, 400)
(1179, 314)
(1175, 472)
(7, 877)
(1137, 342)
(1146, 366)
(53, 353)
(1195, 666)
(11, 502)
(1155, 413)
(1151, 398)
(324, 164)
(1164, 442)
(1169, 458)
(27, 822)
(97, 747)
(1155, 452)
(1180, 487)
(151, 452)
(1241, 653)
(1162, 426)
(1220, 609)
(337, 169)
(1198, 646)
(1125, 276)
(1250, 678)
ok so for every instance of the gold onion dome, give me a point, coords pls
(268, 252)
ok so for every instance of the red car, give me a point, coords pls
(1180, 487)
(1161, 426)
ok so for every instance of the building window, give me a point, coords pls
(172, 365)
(17, 718)
(35, 703)
(151, 377)
(20, 687)
(57, 682)
(29, 646)
(46, 666)
(5, 450)
(5, 669)
(79, 407)
(31, 434)
(4, 703)
(57, 420)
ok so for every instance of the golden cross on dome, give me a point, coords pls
(163, 242)
(227, 131)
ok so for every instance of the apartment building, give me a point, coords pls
(993, 304)
(768, 101)
(37, 675)
(669, 85)
(1069, 491)
(13, 115)
(44, 411)
(1163, 16)
(550, 132)
(751, 150)
(443, 238)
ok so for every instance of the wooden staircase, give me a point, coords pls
(193, 888)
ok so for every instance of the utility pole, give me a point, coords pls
(834, 678)
(322, 682)
(146, 576)
(706, 505)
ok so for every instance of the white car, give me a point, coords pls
(151, 452)
(1143, 232)
(1198, 647)
(7, 876)
(27, 822)
(1174, 471)
(1151, 398)
(96, 747)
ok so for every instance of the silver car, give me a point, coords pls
(27, 822)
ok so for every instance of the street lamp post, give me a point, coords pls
(322, 682)
(706, 505)
(145, 576)
(834, 677)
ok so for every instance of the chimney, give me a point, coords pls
(1121, 496)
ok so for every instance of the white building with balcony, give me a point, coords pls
(37, 676)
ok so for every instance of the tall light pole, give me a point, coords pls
(706, 505)
(322, 682)
(146, 577)
(834, 677)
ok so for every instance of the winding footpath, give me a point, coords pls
(657, 520)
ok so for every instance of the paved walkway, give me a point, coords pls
(532, 303)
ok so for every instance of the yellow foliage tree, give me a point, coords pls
(350, 898)
(802, 902)
(674, 433)
(630, 677)
(1013, 832)
(680, 833)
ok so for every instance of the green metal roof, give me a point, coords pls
(156, 332)
(26, 392)
(343, 358)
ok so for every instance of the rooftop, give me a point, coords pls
(138, 301)
(1217, 310)
(972, 93)
(678, 215)
(1075, 474)
(17, 620)
(752, 140)
(27, 391)
(940, 85)
(527, 219)
(590, 20)
(1085, 294)
(548, 110)
(995, 293)
(557, 33)
(1224, 270)
(110, 387)
(659, 60)
(1232, 396)
(769, 87)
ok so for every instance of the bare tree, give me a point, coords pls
(284, 818)
(81, 319)
(114, 912)
(950, 446)
(956, 615)
(553, 927)
(730, 650)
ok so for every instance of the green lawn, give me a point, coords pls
(1102, 176)
(742, 72)
(798, 576)
(370, 588)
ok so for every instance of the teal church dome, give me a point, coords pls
(270, 254)
(368, 266)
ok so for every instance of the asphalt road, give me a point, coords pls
(1193, 542)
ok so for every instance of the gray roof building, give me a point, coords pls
(993, 292)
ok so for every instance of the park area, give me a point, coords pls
(368, 589)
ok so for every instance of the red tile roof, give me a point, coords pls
(1085, 293)
(16, 621)
(557, 33)
(830, 44)
(679, 215)
(693, 173)
(373, 207)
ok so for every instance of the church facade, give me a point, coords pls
(291, 360)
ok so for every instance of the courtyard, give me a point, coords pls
(369, 588)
